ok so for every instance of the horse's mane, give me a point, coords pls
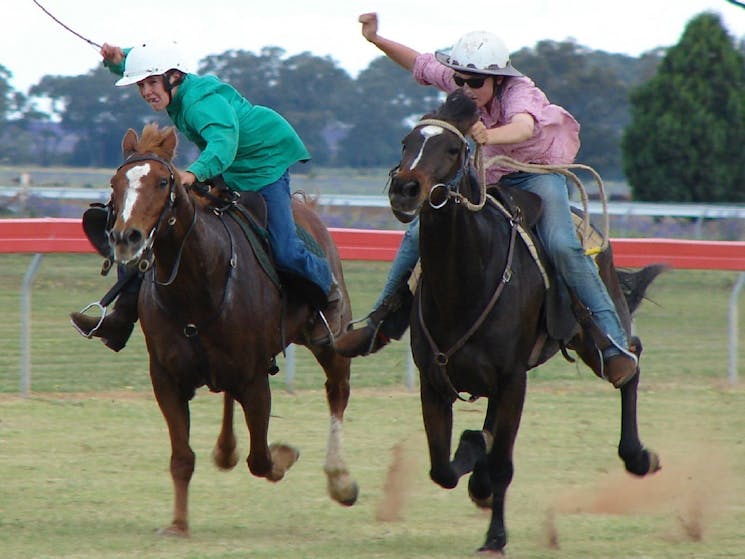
(458, 108)
(153, 140)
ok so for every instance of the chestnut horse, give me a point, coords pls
(478, 321)
(212, 315)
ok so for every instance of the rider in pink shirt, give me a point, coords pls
(555, 139)
(516, 120)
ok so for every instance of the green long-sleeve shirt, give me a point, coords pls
(250, 145)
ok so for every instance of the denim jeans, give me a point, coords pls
(403, 263)
(290, 252)
(558, 235)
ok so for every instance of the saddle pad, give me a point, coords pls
(590, 237)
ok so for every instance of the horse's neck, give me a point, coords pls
(189, 247)
(459, 256)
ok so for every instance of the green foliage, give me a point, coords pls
(386, 98)
(590, 86)
(683, 143)
(686, 137)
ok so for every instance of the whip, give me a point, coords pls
(66, 27)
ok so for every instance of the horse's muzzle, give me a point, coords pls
(404, 197)
(128, 245)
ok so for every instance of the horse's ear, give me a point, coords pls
(129, 143)
(170, 141)
(460, 109)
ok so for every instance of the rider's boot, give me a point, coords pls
(386, 322)
(116, 328)
(328, 324)
(619, 364)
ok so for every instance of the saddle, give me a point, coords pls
(563, 314)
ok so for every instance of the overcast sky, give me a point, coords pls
(33, 45)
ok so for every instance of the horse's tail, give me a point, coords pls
(634, 284)
(313, 202)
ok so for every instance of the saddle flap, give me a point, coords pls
(256, 206)
(519, 202)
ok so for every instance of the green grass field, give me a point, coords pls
(84, 460)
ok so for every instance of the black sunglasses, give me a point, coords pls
(473, 83)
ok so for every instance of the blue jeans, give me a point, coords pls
(290, 253)
(558, 235)
(403, 263)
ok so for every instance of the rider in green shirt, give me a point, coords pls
(251, 146)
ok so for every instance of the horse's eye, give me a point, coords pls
(163, 182)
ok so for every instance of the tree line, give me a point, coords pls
(671, 122)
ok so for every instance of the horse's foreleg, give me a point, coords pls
(263, 461)
(476, 445)
(508, 407)
(175, 410)
(438, 425)
(341, 486)
(638, 460)
(225, 455)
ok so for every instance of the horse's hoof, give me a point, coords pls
(479, 487)
(174, 531)
(342, 488)
(348, 497)
(487, 551)
(223, 460)
(283, 457)
(645, 463)
(655, 465)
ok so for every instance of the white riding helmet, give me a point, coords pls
(479, 52)
(152, 59)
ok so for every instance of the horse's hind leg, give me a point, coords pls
(638, 460)
(225, 455)
(341, 486)
(175, 409)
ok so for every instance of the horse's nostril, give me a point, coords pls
(408, 189)
(134, 236)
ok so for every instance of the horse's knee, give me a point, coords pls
(445, 478)
(182, 466)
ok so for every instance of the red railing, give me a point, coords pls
(59, 235)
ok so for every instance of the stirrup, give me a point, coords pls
(97, 326)
(324, 340)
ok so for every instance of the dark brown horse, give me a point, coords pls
(479, 317)
(212, 316)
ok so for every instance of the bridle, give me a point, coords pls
(451, 188)
(146, 261)
(452, 192)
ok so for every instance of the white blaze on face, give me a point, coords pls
(428, 132)
(134, 177)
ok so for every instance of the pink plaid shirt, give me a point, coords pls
(555, 138)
